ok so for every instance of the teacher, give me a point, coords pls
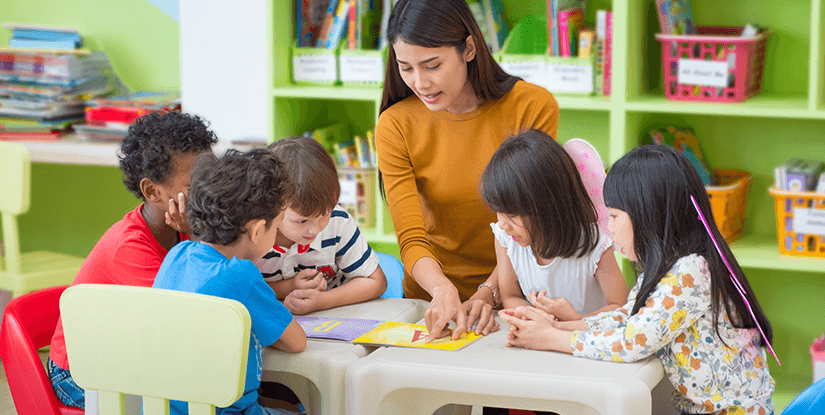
(446, 107)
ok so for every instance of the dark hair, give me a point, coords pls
(153, 143)
(228, 192)
(439, 23)
(530, 175)
(653, 185)
(312, 172)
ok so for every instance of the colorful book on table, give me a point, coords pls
(412, 335)
(345, 329)
(570, 22)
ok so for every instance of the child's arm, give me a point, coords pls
(356, 290)
(293, 340)
(612, 281)
(511, 296)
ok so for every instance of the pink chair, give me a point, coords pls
(28, 324)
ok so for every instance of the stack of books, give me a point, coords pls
(109, 118)
(42, 93)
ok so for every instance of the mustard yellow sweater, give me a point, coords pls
(431, 164)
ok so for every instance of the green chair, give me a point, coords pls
(24, 273)
(158, 344)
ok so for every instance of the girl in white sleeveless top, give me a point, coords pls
(549, 250)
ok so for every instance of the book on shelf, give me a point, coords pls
(328, 328)
(309, 17)
(30, 136)
(675, 17)
(570, 23)
(339, 25)
(43, 37)
(57, 44)
(326, 26)
(608, 52)
(412, 335)
(553, 34)
(489, 16)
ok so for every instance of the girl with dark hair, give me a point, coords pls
(446, 107)
(549, 249)
(685, 308)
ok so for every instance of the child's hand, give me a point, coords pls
(300, 302)
(558, 307)
(176, 214)
(530, 328)
(310, 279)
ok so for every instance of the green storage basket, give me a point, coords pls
(315, 66)
(362, 67)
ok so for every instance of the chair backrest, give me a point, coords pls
(811, 401)
(28, 324)
(159, 344)
(394, 271)
(15, 198)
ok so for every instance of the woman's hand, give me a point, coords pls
(176, 214)
(534, 329)
(445, 307)
(558, 307)
(480, 314)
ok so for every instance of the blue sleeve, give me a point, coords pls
(269, 316)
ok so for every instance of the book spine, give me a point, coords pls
(601, 32)
(608, 52)
(42, 44)
(553, 23)
(339, 25)
(45, 35)
(564, 43)
(327, 25)
(586, 40)
(663, 15)
(353, 24)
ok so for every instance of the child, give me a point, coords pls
(684, 308)
(548, 245)
(320, 259)
(156, 158)
(235, 206)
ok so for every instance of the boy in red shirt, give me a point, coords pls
(156, 158)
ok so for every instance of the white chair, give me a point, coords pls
(159, 344)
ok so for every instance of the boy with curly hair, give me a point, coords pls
(235, 206)
(156, 158)
(320, 259)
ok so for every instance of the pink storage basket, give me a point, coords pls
(745, 67)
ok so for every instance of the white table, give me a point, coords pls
(316, 375)
(395, 380)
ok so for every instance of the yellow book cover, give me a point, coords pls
(411, 335)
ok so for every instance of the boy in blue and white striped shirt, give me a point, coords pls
(320, 259)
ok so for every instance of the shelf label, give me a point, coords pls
(809, 221)
(362, 68)
(534, 72)
(569, 78)
(314, 68)
(349, 192)
(702, 72)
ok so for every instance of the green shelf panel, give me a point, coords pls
(761, 251)
(328, 92)
(771, 105)
(595, 103)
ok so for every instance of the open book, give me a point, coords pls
(346, 329)
(411, 335)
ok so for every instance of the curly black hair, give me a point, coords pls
(149, 149)
(228, 192)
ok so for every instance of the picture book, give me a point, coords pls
(570, 22)
(346, 329)
(553, 35)
(339, 25)
(310, 15)
(685, 140)
(326, 26)
(675, 17)
(412, 335)
(587, 38)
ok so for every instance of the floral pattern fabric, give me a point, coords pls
(676, 324)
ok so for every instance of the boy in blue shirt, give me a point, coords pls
(234, 208)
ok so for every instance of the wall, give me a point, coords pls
(73, 205)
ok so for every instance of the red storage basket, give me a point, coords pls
(745, 57)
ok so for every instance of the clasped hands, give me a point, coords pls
(309, 284)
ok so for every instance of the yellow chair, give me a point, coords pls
(158, 344)
(24, 273)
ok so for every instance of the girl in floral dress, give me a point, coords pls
(685, 307)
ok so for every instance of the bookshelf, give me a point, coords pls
(786, 119)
